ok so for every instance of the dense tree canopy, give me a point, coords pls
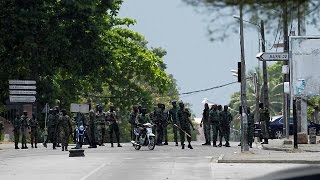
(79, 51)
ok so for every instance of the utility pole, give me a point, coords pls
(286, 102)
(264, 70)
(244, 120)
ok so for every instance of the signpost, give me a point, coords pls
(273, 56)
(22, 91)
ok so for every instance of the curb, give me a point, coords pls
(288, 149)
(269, 161)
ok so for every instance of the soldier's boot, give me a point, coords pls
(177, 143)
(190, 147)
(111, 144)
(250, 144)
(44, 144)
(119, 145)
(182, 146)
(62, 148)
(206, 143)
(35, 145)
(54, 146)
(166, 143)
(66, 148)
(227, 144)
(16, 147)
(58, 145)
(220, 144)
(31, 145)
(214, 144)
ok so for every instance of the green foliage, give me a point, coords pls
(80, 51)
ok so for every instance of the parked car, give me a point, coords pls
(276, 127)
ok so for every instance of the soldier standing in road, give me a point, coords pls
(158, 120)
(58, 113)
(65, 129)
(214, 122)
(92, 129)
(132, 119)
(225, 120)
(52, 128)
(219, 129)
(173, 120)
(264, 122)
(100, 124)
(183, 115)
(165, 124)
(34, 131)
(24, 126)
(205, 124)
(16, 130)
(112, 118)
(250, 126)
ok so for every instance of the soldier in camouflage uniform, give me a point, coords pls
(16, 130)
(158, 120)
(100, 125)
(112, 118)
(225, 120)
(250, 127)
(184, 121)
(58, 113)
(65, 129)
(33, 123)
(206, 124)
(165, 124)
(132, 119)
(92, 130)
(173, 120)
(219, 107)
(264, 122)
(24, 127)
(214, 122)
(52, 128)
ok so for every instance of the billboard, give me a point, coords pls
(304, 59)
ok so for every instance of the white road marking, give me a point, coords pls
(93, 171)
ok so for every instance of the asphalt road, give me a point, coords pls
(165, 162)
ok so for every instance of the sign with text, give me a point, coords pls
(22, 91)
(273, 56)
(83, 108)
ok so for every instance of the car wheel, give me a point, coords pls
(278, 134)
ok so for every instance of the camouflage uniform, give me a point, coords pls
(173, 119)
(16, 131)
(225, 120)
(250, 128)
(65, 129)
(206, 126)
(132, 119)
(165, 126)
(184, 122)
(92, 131)
(100, 126)
(158, 120)
(24, 128)
(112, 118)
(214, 122)
(264, 120)
(52, 130)
(219, 129)
(34, 131)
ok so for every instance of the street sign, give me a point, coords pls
(273, 56)
(22, 82)
(23, 92)
(22, 87)
(29, 99)
(83, 108)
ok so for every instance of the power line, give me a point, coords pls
(208, 89)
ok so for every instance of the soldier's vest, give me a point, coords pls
(264, 115)
(24, 121)
(52, 120)
(33, 123)
(173, 113)
(100, 118)
(112, 117)
(214, 117)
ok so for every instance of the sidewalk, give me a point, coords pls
(276, 152)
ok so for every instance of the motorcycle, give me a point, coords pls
(144, 137)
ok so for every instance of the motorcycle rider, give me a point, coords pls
(140, 120)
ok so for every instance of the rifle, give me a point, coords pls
(182, 130)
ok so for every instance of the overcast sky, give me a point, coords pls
(195, 62)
